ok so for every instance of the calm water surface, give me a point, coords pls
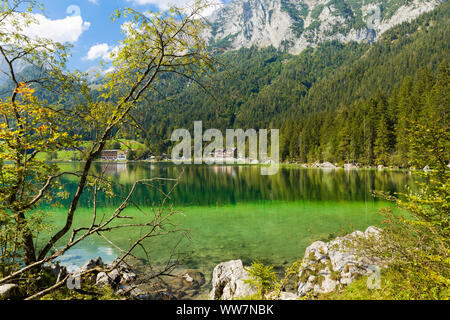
(232, 212)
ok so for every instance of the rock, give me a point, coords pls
(91, 264)
(282, 296)
(328, 266)
(59, 272)
(102, 280)
(187, 284)
(288, 296)
(228, 281)
(9, 291)
(327, 165)
(115, 276)
(350, 166)
(128, 277)
(139, 294)
(121, 266)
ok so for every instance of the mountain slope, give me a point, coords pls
(263, 88)
(293, 25)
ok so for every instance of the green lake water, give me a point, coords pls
(233, 212)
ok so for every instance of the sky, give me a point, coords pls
(87, 25)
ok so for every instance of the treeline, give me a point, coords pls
(375, 131)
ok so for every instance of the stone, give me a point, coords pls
(350, 166)
(102, 280)
(121, 266)
(328, 165)
(139, 294)
(128, 277)
(114, 275)
(59, 272)
(281, 296)
(187, 284)
(91, 264)
(328, 266)
(9, 291)
(288, 296)
(228, 281)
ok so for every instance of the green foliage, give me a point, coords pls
(417, 245)
(263, 278)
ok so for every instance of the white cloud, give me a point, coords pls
(64, 30)
(100, 51)
(166, 4)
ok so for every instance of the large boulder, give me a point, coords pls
(228, 281)
(9, 291)
(329, 266)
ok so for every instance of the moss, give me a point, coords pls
(346, 268)
(319, 280)
(336, 276)
(394, 286)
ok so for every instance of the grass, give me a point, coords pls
(394, 285)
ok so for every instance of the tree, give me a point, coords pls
(153, 45)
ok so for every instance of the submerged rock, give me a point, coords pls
(228, 281)
(329, 266)
(187, 284)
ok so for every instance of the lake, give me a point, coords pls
(233, 212)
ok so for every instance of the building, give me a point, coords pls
(226, 154)
(114, 155)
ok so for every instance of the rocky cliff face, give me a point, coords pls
(293, 25)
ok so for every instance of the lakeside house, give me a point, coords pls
(114, 155)
(225, 154)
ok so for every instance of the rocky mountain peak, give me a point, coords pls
(293, 25)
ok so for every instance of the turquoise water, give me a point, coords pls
(232, 212)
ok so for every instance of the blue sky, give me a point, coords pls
(86, 24)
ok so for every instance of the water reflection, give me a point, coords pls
(220, 185)
(235, 213)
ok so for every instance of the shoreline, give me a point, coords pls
(282, 165)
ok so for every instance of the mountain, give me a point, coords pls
(293, 25)
(329, 83)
